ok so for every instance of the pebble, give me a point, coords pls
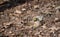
(8, 23)
(58, 35)
(36, 6)
(56, 19)
(53, 28)
(10, 32)
(44, 26)
(53, 5)
(58, 7)
(23, 9)
(18, 12)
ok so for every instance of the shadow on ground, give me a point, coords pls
(11, 3)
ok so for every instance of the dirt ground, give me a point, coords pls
(30, 18)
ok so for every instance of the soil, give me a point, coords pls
(30, 18)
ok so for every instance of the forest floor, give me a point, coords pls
(25, 18)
